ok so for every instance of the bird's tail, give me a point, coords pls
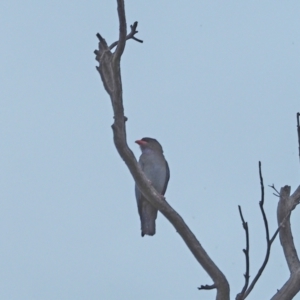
(148, 227)
(148, 217)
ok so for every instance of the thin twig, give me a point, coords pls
(247, 256)
(129, 36)
(269, 242)
(261, 185)
(274, 188)
(276, 232)
(207, 287)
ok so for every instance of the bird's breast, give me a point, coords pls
(155, 170)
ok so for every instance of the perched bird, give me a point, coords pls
(156, 169)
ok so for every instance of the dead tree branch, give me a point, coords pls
(247, 256)
(207, 287)
(109, 69)
(269, 241)
(245, 292)
(285, 206)
(129, 36)
(274, 188)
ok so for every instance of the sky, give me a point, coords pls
(215, 82)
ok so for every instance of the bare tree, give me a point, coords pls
(109, 69)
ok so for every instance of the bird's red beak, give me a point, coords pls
(141, 143)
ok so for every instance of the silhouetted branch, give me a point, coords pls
(274, 235)
(109, 69)
(129, 36)
(207, 287)
(244, 295)
(247, 256)
(261, 205)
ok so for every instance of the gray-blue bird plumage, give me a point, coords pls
(156, 169)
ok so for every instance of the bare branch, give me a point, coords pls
(275, 234)
(122, 31)
(285, 206)
(129, 36)
(261, 186)
(274, 188)
(269, 241)
(109, 69)
(285, 234)
(207, 287)
(247, 257)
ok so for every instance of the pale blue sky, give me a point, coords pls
(216, 82)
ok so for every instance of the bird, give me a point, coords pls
(156, 169)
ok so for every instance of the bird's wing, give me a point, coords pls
(167, 179)
(138, 196)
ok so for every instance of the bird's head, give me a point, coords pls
(147, 143)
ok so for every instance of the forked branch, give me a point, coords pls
(109, 69)
(246, 291)
(129, 36)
